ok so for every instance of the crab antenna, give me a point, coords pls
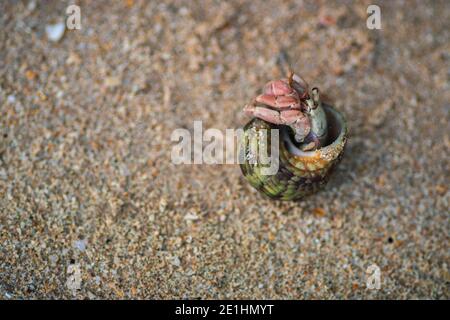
(290, 77)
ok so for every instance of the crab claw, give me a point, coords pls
(263, 113)
(277, 88)
(249, 109)
(293, 118)
(278, 102)
(290, 116)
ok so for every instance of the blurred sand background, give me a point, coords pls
(86, 181)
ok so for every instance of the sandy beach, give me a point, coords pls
(92, 207)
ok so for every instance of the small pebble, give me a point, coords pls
(176, 261)
(112, 82)
(80, 245)
(11, 98)
(55, 31)
(190, 217)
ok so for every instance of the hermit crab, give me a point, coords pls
(311, 139)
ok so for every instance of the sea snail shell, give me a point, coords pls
(300, 173)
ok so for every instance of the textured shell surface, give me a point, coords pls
(299, 173)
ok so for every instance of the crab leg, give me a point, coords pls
(293, 118)
(279, 102)
(300, 85)
(277, 88)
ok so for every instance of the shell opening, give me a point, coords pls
(336, 132)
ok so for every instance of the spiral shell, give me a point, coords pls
(299, 173)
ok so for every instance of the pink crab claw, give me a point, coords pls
(278, 88)
(278, 102)
(249, 109)
(301, 127)
(293, 118)
(285, 117)
(290, 116)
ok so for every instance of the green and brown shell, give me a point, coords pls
(300, 173)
